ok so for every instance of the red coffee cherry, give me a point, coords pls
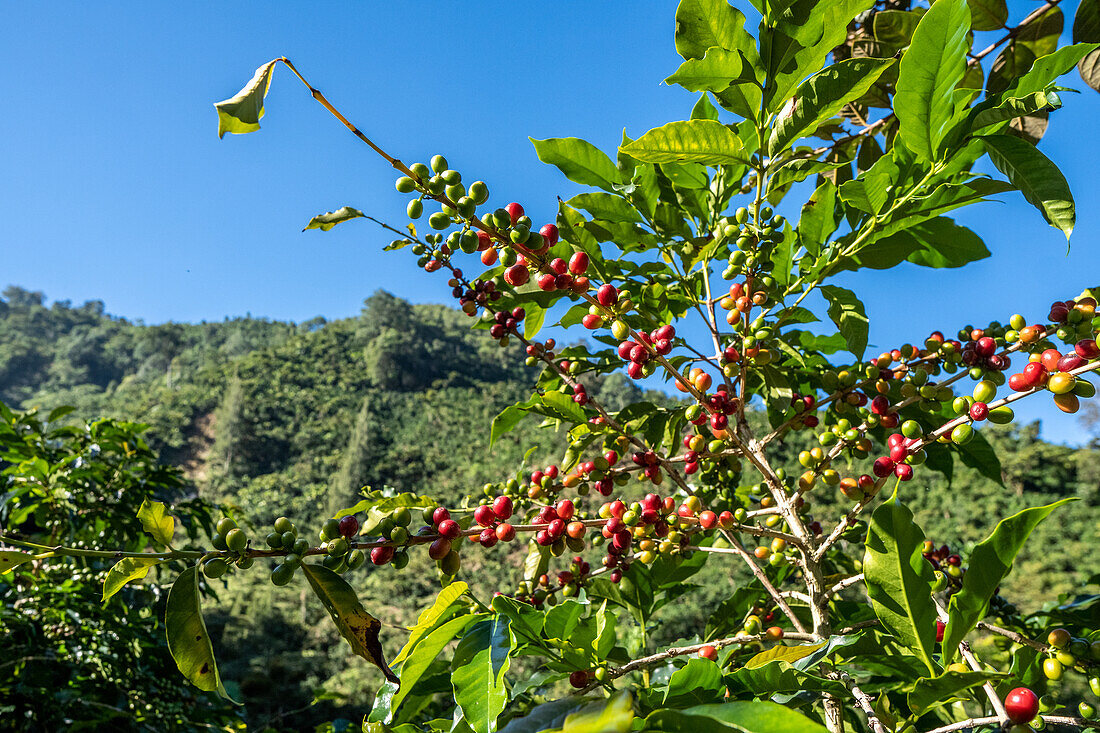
(607, 295)
(1022, 705)
(708, 652)
(349, 526)
(578, 263)
(579, 678)
(502, 507)
(515, 211)
(449, 528)
(549, 232)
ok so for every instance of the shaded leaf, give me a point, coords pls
(932, 692)
(778, 677)
(188, 641)
(988, 15)
(990, 562)
(241, 113)
(899, 579)
(11, 558)
(1086, 27)
(355, 624)
(1041, 35)
(699, 681)
(329, 219)
(847, 312)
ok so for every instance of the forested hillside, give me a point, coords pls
(256, 411)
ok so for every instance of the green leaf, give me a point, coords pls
(607, 207)
(899, 579)
(777, 678)
(1015, 107)
(355, 624)
(799, 169)
(932, 692)
(896, 27)
(241, 113)
(1038, 179)
(850, 318)
(1047, 69)
(705, 24)
(480, 662)
(693, 141)
(781, 653)
(758, 716)
(938, 242)
(1086, 27)
(1041, 35)
(988, 15)
(930, 71)
(713, 72)
(156, 521)
(507, 419)
(614, 717)
(699, 681)
(10, 559)
(125, 570)
(605, 631)
(329, 219)
(822, 96)
(188, 641)
(430, 617)
(561, 620)
(532, 324)
(580, 161)
(563, 407)
(990, 562)
(818, 220)
(59, 412)
(417, 661)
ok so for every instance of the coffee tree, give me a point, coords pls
(868, 120)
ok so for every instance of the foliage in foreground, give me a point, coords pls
(642, 259)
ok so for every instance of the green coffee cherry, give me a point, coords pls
(282, 524)
(224, 525)
(282, 574)
(215, 568)
(404, 184)
(415, 209)
(330, 530)
(236, 540)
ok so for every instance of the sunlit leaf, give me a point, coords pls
(126, 570)
(329, 219)
(155, 519)
(242, 112)
(188, 641)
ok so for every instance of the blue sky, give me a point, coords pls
(117, 187)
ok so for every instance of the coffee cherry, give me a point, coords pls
(380, 555)
(1059, 638)
(438, 549)
(579, 678)
(215, 568)
(484, 515)
(1052, 668)
(283, 525)
(449, 528)
(282, 574)
(1021, 705)
(224, 525)
(348, 526)
(708, 652)
(607, 295)
(236, 540)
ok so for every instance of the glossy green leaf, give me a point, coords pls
(692, 141)
(697, 682)
(899, 579)
(416, 661)
(781, 653)
(705, 24)
(358, 627)
(758, 716)
(431, 616)
(990, 562)
(777, 678)
(616, 716)
(124, 571)
(818, 220)
(823, 95)
(929, 73)
(1037, 178)
(562, 619)
(507, 419)
(713, 72)
(1014, 107)
(988, 15)
(799, 169)
(242, 112)
(932, 692)
(155, 520)
(896, 27)
(580, 161)
(188, 641)
(606, 623)
(532, 323)
(563, 407)
(1049, 68)
(480, 663)
(11, 558)
(847, 312)
(606, 206)
(329, 219)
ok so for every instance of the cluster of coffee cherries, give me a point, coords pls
(1072, 652)
(228, 538)
(638, 353)
(1051, 369)
(1076, 319)
(568, 584)
(505, 322)
(481, 293)
(752, 245)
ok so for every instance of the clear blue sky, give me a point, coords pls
(116, 186)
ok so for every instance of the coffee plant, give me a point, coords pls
(865, 122)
